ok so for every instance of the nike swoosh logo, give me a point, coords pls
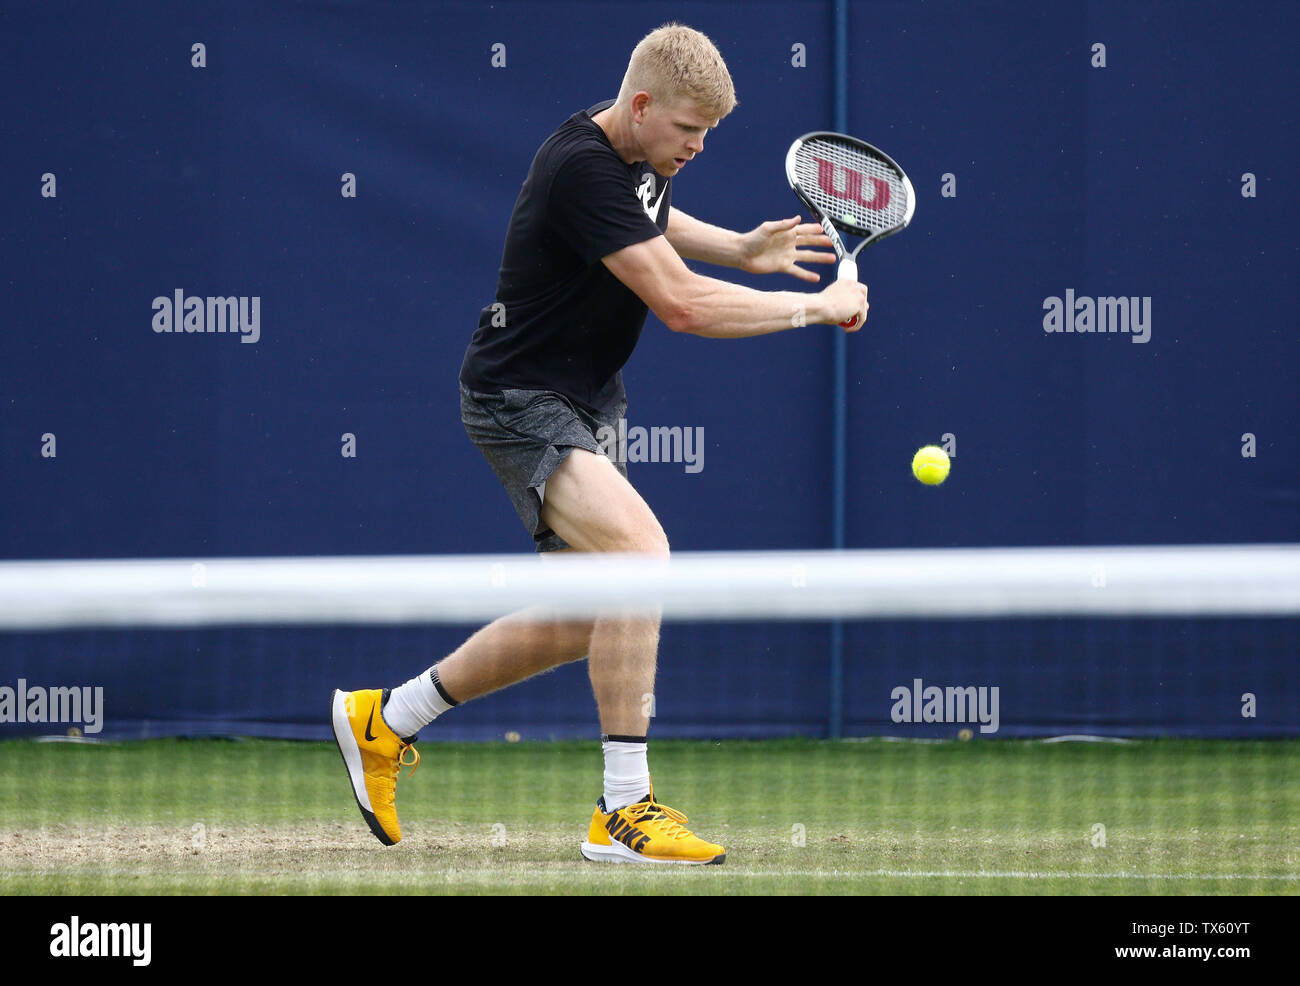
(369, 737)
(645, 191)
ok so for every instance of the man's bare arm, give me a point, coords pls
(696, 240)
(704, 306)
(772, 247)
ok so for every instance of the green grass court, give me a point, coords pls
(1000, 817)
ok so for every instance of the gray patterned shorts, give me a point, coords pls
(525, 435)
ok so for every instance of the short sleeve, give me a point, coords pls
(594, 208)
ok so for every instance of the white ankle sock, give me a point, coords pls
(412, 706)
(627, 772)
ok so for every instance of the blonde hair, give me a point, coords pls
(675, 62)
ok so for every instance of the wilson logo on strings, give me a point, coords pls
(852, 186)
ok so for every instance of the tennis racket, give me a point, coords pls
(850, 187)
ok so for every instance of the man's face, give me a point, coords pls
(670, 133)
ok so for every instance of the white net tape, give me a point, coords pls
(1214, 580)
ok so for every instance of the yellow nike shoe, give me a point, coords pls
(646, 832)
(373, 755)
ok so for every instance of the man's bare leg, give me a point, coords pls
(511, 649)
(594, 508)
(627, 826)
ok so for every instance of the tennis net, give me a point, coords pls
(1195, 641)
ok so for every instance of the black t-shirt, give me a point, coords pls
(570, 324)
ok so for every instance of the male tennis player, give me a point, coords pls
(593, 243)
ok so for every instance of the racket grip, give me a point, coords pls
(848, 272)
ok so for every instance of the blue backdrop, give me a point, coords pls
(128, 172)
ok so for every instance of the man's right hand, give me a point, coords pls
(842, 300)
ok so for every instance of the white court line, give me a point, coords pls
(920, 874)
(665, 872)
(1067, 875)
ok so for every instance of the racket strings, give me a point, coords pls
(843, 181)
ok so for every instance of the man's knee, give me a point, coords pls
(642, 539)
(571, 638)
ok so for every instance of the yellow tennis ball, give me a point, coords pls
(930, 465)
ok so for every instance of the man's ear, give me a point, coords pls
(640, 103)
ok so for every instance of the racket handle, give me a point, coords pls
(848, 272)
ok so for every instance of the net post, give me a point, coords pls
(839, 388)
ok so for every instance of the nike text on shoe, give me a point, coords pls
(373, 755)
(646, 832)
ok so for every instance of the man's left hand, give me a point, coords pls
(779, 246)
